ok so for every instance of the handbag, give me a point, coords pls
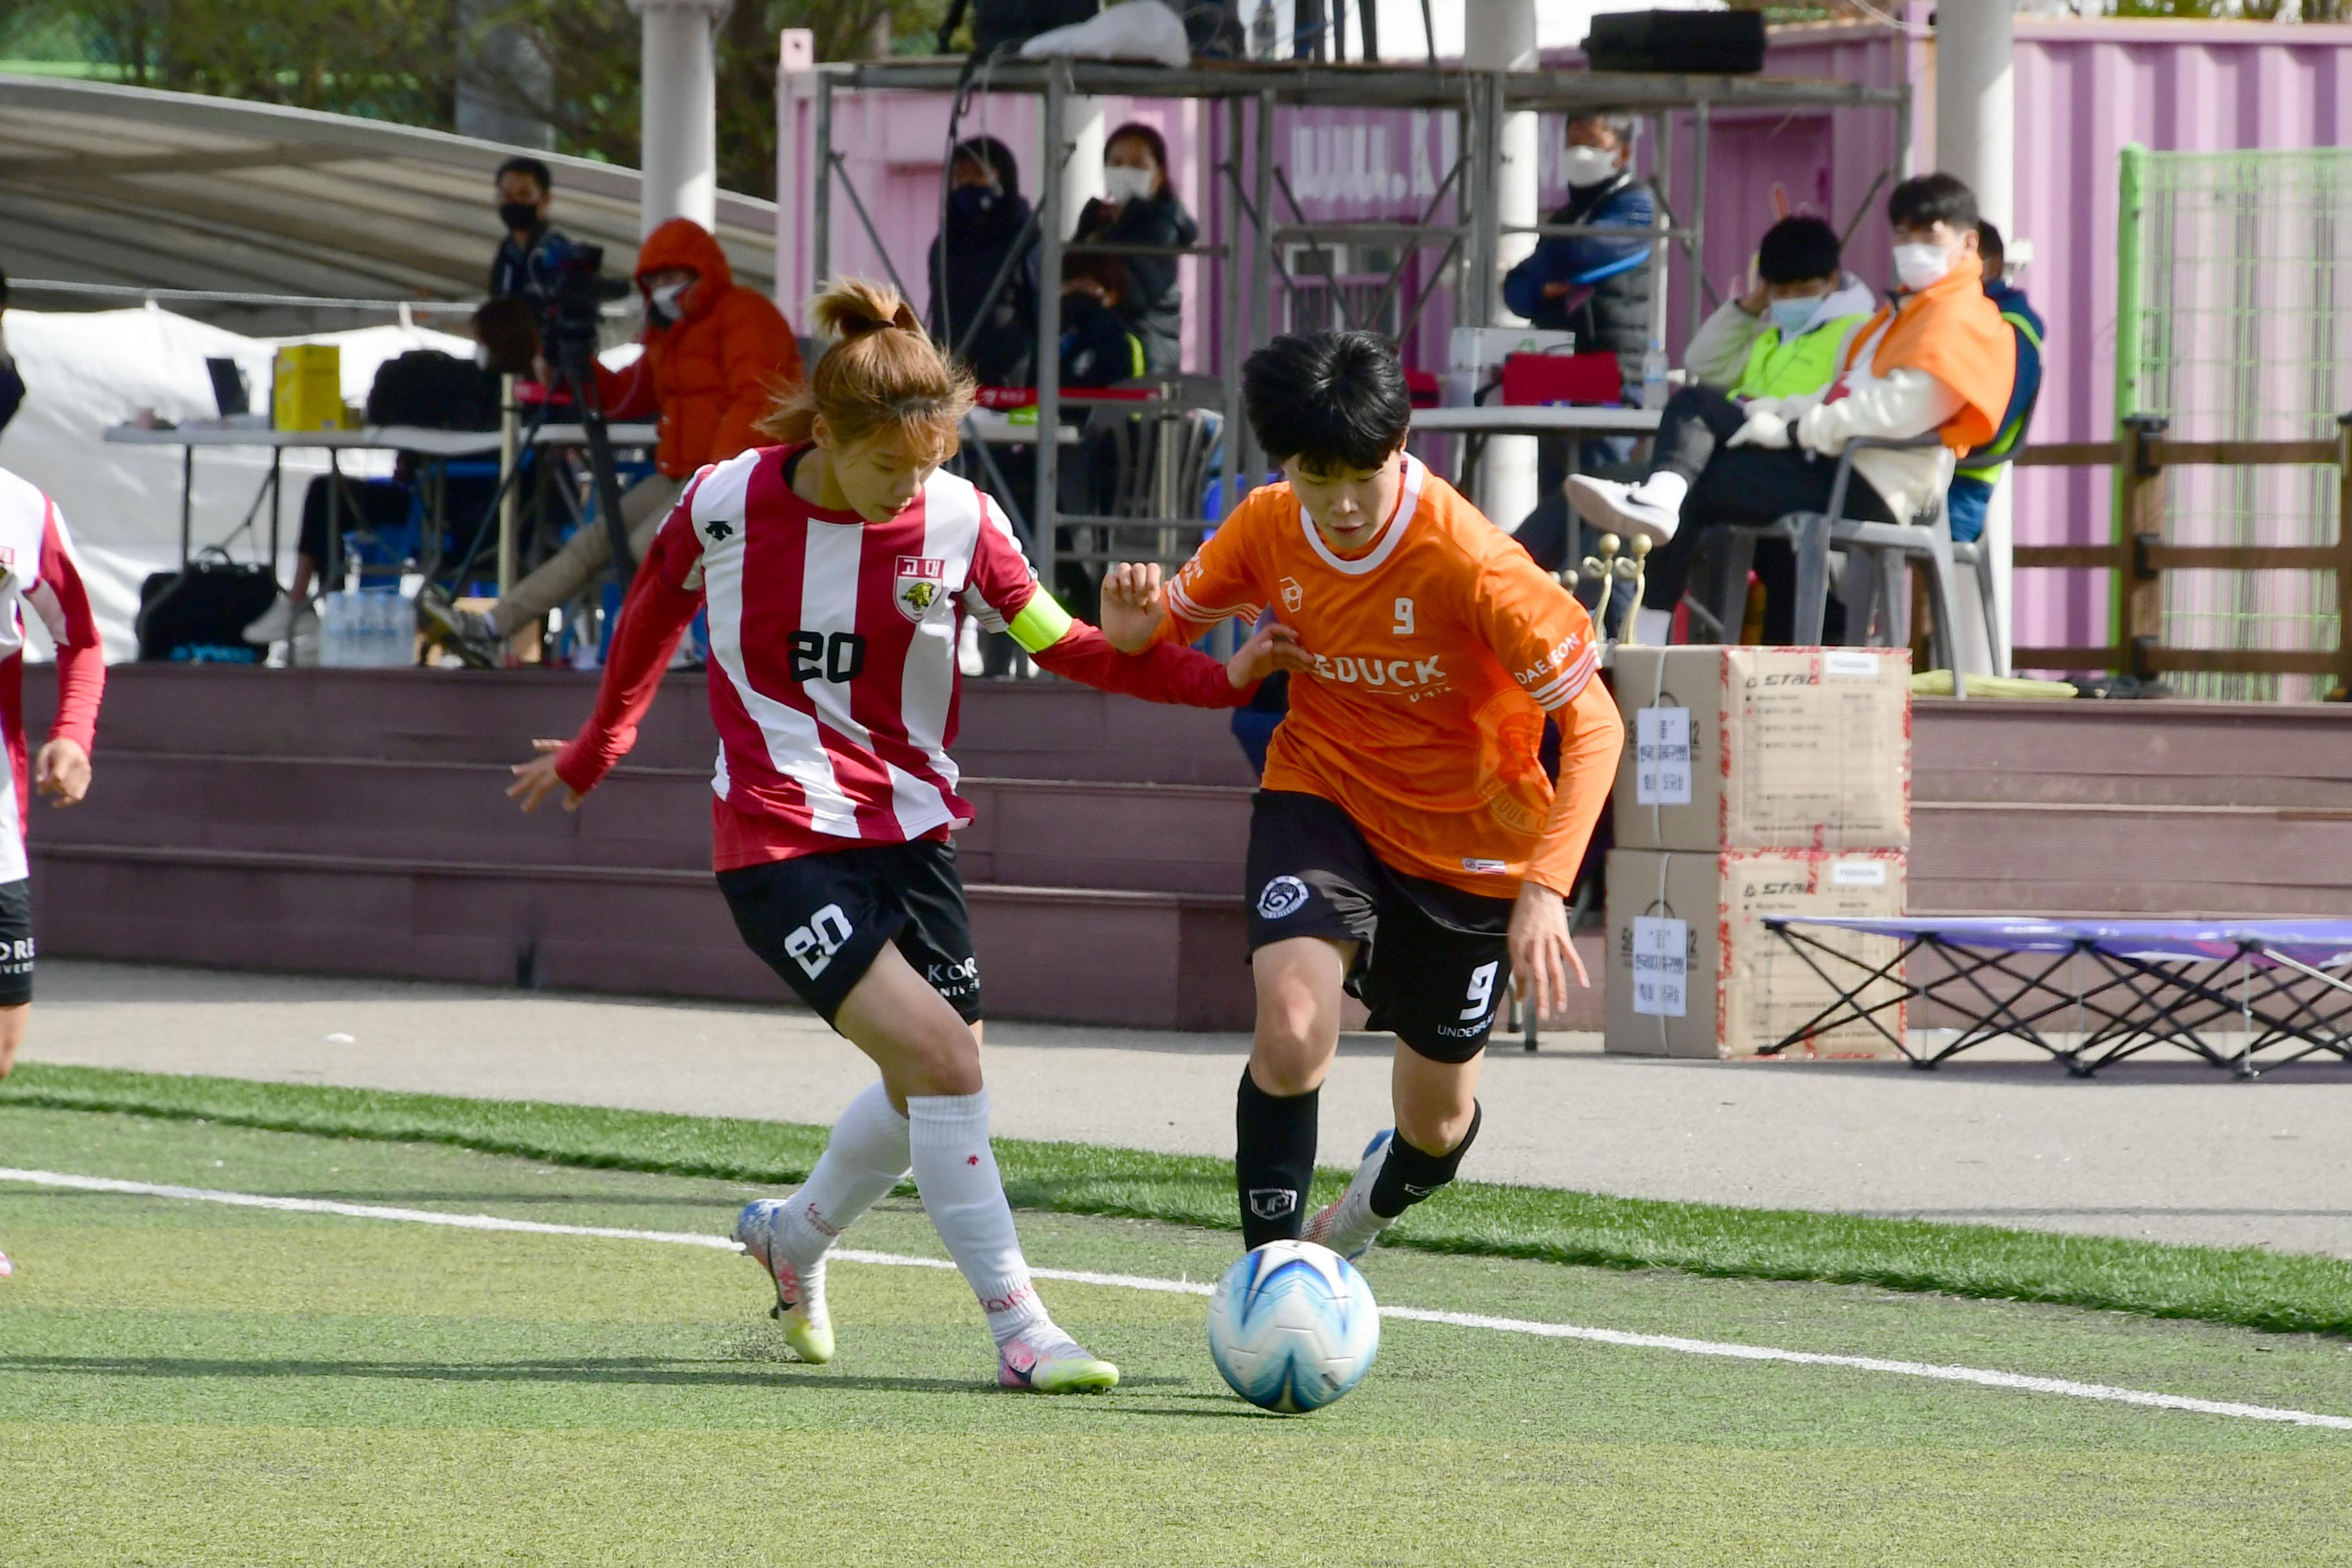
(198, 614)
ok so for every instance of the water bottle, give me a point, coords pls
(1653, 375)
(334, 631)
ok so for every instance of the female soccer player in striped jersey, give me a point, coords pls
(837, 568)
(1406, 845)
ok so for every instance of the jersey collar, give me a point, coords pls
(1408, 500)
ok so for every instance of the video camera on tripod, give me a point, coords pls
(568, 283)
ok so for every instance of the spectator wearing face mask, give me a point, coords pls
(525, 188)
(1596, 286)
(1938, 357)
(716, 354)
(987, 220)
(1139, 207)
(1971, 491)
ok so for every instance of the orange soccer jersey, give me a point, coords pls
(1437, 653)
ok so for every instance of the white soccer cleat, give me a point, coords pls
(799, 1292)
(1622, 508)
(1348, 1226)
(1047, 1361)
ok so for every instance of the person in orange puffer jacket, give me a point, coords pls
(716, 356)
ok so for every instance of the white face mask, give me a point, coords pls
(662, 304)
(1122, 185)
(1588, 165)
(1917, 266)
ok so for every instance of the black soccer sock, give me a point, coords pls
(1274, 1162)
(1409, 1175)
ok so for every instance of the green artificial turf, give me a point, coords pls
(2246, 1287)
(189, 1383)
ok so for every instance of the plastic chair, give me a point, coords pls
(1876, 553)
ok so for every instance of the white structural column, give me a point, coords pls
(1500, 34)
(1976, 138)
(1082, 174)
(679, 109)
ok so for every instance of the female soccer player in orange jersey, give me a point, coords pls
(1406, 846)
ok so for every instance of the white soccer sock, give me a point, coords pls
(963, 1192)
(1663, 490)
(867, 1156)
(1652, 628)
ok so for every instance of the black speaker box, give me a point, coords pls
(1692, 43)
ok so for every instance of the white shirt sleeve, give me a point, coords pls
(1896, 406)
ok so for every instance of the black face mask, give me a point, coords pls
(519, 216)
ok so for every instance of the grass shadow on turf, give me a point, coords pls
(2246, 1287)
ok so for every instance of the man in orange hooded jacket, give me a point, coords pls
(716, 354)
(1937, 357)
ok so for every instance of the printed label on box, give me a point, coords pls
(1858, 874)
(1844, 665)
(1662, 757)
(1661, 967)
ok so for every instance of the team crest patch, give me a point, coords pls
(921, 582)
(1281, 898)
(1293, 595)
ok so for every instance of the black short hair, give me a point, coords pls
(1335, 400)
(1991, 251)
(1927, 199)
(508, 330)
(535, 167)
(1797, 251)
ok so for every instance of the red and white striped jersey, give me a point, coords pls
(833, 655)
(38, 569)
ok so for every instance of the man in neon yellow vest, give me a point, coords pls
(1786, 338)
(1789, 334)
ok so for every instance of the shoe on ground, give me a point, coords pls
(472, 635)
(1348, 1226)
(276, 623)
(1050, 1362)
(1621, 508)
(799, 1292)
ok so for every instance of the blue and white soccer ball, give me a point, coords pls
(1293, 1326)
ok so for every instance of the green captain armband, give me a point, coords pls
(1040, 623)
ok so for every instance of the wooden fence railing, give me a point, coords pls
(2142, 554)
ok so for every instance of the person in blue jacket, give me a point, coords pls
(1972, 487)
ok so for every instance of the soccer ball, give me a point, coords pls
(1292, 1327)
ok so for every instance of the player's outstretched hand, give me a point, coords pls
(1275, 647)
(537, 779)
(61, 771)
(1131, 606)
(1542, 956)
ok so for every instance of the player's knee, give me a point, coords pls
(942, 1061)
(1436, 1128)
(1294, 1045)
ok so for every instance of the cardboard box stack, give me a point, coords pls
(1756, 781)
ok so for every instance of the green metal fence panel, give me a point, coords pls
(2234, 323)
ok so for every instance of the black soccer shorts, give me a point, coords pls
(1432, 961)
(820, 921)
(16, 943)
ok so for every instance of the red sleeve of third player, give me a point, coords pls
(662, 599)
(58, 597)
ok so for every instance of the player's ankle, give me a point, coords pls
(1410, 1173)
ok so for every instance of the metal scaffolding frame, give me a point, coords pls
(1250, 92)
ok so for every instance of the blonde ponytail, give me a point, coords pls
(882, 373)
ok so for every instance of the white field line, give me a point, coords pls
(1983, 1377)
